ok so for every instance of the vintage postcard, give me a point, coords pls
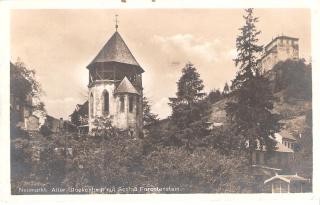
(113, 101)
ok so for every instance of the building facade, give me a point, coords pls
(280, 48)
(288, 184)
(115, 86)
(22, 113)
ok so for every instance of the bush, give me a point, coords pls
(45, 130)
(295, 77)
(203, 171)
(103, 128)
(116, 159)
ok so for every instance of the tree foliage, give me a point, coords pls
(247, 50)
(226, 89)
(203, 171)
(189, 119)
(102, 127)
(25, 90)
(24, 83)
(294, 77)
(250, 112)
(119, 161)
(214, 96)
(148, 117)
(303, 156)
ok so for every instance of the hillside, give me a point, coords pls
(292, 113)
(290, 101)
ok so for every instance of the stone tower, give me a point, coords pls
(280, 48)
(115, 86)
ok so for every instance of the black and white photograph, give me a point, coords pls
(161, 101)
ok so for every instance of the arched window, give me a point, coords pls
(131, 104)
(91, 105)
(121, 104)
(106, 101)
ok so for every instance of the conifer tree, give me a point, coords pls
(190, 109)
(214, 96)
(226, 89)
(251, 113)
(148, 116)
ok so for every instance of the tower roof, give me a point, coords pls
(115, 50)
(126, 87)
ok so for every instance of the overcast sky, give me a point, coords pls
(59, 44)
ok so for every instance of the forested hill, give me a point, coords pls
(291, 83)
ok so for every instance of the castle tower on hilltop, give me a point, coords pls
(115, 86)
(280, 48)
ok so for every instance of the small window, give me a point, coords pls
(121, 104)
(131, 104)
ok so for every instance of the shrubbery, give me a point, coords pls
(295, 78)
(120, 161)
(45, 130)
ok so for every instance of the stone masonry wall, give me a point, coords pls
(122, 120)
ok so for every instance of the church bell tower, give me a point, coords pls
(115, 86)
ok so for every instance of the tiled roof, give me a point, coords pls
(287, 178)
(115, 50)
(126, 87)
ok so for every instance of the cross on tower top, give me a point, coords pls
(116, 16)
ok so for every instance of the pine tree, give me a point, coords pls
(148, 116)
(251, 111)
(248, 50)
(226, 89)
(190, 109)
(214, 96)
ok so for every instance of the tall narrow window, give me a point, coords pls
(106, 101)
(131, 104)
(91, 105)
(138, 103)
(121, 104)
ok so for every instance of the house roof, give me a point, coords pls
(126, 87)
(51, 118)
(287, 178)
(266, 167)
(287, 135)
(115, 50)
(34, 116)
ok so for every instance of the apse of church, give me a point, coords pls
(115, 85)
